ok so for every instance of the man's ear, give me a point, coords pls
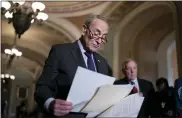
(123, 70)
(84, 29)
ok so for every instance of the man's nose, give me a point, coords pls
(99, 40)
(132, 70)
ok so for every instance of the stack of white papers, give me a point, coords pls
(95, 94)
(106, 96)
(127, 107)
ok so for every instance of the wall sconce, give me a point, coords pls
(11, 54)
(13, 51)
(6, 76)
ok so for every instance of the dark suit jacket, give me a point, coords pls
(146, 87)
(59, 71)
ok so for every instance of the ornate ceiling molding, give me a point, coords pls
(120, 10)
(79, 6)
(83, 8)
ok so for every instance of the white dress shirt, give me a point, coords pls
(48, 101)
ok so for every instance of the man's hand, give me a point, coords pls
(60, 107)
(141, 94)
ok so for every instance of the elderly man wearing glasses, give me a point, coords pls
(55, 81)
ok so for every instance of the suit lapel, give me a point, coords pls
(140, 85)
(77, 55)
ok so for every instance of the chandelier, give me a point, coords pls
(22, 14)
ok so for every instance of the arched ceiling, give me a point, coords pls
(37, 41)
(65, 23)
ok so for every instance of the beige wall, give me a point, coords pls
(174, 64)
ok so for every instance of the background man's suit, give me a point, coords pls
(147, 89)
(144, 85)
(59, 71)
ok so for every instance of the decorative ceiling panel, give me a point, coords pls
(69, 7)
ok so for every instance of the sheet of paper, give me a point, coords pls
(84, 86)
(107, 96)
(128, 107)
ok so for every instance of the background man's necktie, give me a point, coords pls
(134, 90)
(90, 62)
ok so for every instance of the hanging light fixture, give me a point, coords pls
(7, 76)
(11, 55)
(22, 14)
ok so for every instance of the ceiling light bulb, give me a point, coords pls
(7, 75)
(2, 75)
(4, 81)
(8, 15)
(32, 21)
(38, 5)
(14, 51)
(19, 53)
(6, 5)
(7, 51)
(42, 16)
(12, 77)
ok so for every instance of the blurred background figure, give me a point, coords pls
(178, 90)
(4, 107)
(21, 110)
(164, 99)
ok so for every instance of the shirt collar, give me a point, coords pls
(135, 80)
(81, 47)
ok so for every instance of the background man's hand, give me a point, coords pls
(141, 94)
(60, 107)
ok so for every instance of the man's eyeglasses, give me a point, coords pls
(97, 35)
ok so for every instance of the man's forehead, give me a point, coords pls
(100, 25)
(131, 63)
(99, 22)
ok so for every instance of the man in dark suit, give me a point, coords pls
(55, 81)
(129, 69)
(143, 87)
(178, 90)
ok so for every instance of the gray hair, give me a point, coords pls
(91, 17)
(126, 62)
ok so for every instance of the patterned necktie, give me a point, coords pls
(90, 62)
(134, 90)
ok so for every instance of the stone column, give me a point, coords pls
(179, 36)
